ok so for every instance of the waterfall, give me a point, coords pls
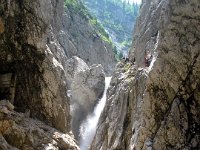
(88, 128)
(152, 62)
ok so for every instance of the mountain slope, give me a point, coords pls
(85, 39)
(118, 18)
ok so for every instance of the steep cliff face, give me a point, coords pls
(81, 38)
(32, 55)
(32, 76)
(36, 40)
(156, 107)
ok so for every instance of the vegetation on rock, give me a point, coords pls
(118, 18)
(77, 7)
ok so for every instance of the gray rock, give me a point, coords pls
(6, 104)
(80, 38)
(73, 66)
(157, 107)
(33, 55)
(19, 132)
(86, 89)
(35, 60)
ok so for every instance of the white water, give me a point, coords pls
(88, 128)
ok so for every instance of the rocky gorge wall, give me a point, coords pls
(32, 77)
(81, 38)
(156, 107)
(31, 53)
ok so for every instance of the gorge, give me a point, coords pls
(54, 68)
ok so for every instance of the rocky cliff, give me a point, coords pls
(31, 55)
(118, 18)
(19, 132)
(156, 105)
(32, 76)
(83, 38)
(36, 39)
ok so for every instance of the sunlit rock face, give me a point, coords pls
(33, 58)
(33, 74)
(72, 67)
(32, 77)
(156, 107)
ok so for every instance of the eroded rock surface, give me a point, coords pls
(158, 106)
(19, 132)
(72, 67)
(31, 58)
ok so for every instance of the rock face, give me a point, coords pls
(31, 60)
(72, 67)
(157, 107)
(32, 75)
(81, 38)
(86, 89)
(19, 132)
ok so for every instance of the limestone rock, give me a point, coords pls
(158, 106)
(73, 66)
(80, 38)
(18, 132)
(87, 88)
(33, 56)
(31, 53)
(113, 130)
